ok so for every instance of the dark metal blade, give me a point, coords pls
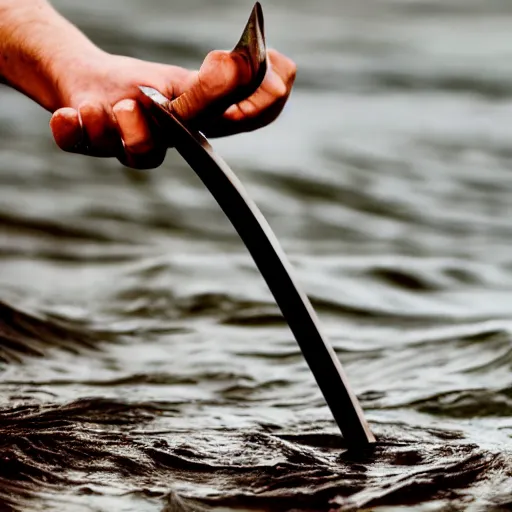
(252, 47)
(270, 259)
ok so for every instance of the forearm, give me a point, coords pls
(38, 48)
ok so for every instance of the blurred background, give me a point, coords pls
(140, 350)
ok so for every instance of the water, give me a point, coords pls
(144, 364)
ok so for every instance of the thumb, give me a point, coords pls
(223, 79)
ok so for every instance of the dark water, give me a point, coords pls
(144, 365)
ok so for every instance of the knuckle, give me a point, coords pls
(281, 91)
(287, 65)
(90, 111)
(219, 73)
(208, 86)
(217, 55)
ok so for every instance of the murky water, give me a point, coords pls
(144, 364)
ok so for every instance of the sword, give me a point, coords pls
(262, 244)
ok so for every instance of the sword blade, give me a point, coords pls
(274, 266)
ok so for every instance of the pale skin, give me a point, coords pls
(93, 93)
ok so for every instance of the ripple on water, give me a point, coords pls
(145, 365)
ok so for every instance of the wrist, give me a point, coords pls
(39, 49)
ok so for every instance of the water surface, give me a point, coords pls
(144, 365)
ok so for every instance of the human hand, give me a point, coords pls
(101, 112)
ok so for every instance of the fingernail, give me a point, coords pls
(125, 106)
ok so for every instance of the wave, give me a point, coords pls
(271, 471)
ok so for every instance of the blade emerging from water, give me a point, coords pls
(262, 244)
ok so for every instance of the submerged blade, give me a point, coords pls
(263, 246)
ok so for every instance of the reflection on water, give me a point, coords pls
(144, 364)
